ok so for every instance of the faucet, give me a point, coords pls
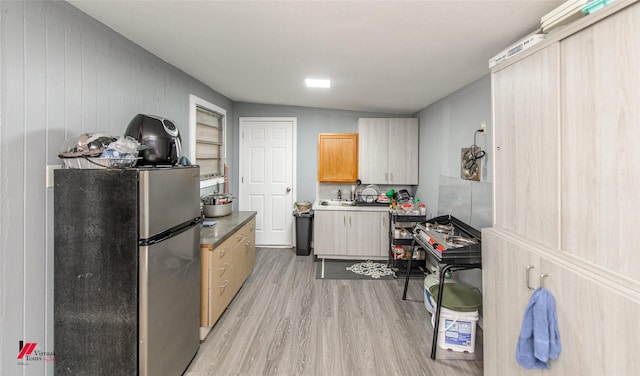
(339, 194)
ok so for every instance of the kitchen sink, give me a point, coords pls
(337, 202)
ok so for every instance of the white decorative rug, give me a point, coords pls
(353, 269)
(371, 269)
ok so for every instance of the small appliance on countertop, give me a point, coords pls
(402, 196)
(160, 136)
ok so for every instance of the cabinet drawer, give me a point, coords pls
(222, 253)
(220, 294)
(239, 236)
(219, 272)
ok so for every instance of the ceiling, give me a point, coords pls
(381, 56)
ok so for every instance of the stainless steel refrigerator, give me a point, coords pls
(126, 270)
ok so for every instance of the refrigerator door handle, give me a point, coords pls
(171, 232)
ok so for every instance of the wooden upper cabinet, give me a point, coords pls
(338, 157)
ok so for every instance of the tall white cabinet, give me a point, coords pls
(566, 203)
(388, 150)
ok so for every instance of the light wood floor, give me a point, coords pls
(285, 322)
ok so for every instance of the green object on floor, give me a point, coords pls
(458, 297)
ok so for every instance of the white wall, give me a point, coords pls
(446, 127)
(61, 73)
(311, 122)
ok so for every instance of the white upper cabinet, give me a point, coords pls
(373, 150)
(525, 112)
(388, 151)
(600, 138)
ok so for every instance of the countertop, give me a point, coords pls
(376, 208)
(224, 227)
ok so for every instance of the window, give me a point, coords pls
(207, 125)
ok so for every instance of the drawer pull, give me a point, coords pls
(223, 252)
(224, 268)
(226, 283)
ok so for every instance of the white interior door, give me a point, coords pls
(267, 181)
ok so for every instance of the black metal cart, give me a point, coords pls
(452, 259)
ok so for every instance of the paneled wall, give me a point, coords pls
(62, 73)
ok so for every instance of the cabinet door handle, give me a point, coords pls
(391, 174)
(386, 176)
(529, 267)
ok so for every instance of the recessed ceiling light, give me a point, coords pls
(312, 82)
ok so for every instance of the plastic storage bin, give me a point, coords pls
(457, 330)
(458, 316)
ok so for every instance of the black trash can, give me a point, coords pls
(304, 231)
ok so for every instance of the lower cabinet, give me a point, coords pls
(350, 234)
(223, 271)
(598, 321)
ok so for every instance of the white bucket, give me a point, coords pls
(457, 330)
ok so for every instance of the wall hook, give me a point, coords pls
(542, 277)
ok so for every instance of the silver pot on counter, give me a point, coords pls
(217, 204)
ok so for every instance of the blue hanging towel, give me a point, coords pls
(539, 338)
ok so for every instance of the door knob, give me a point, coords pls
(288, 189)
